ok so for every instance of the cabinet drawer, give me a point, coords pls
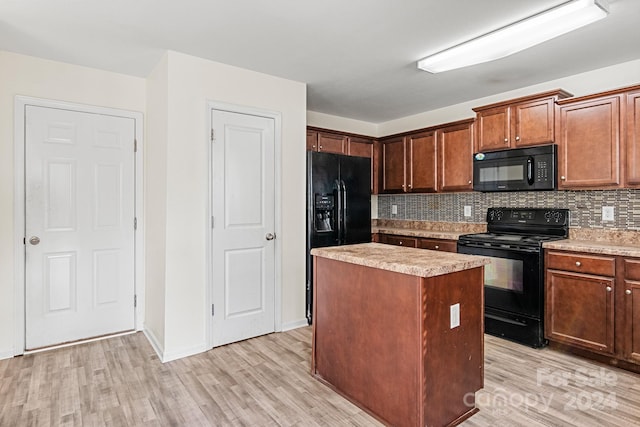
(582, 263)
(438, 245)
(400, 241)
(632, 269)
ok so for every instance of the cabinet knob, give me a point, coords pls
(409, 185)
(437, 247)
(320, 147)
(628, 292)
(400, 243)
(313, 146)
(469, 181)
(578, 263)
(506, 140)
(608, 288)
(517, 138)
(562, 177)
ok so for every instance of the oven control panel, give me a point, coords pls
(528, 216)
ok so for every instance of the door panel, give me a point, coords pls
(243, 260)
(80, 204)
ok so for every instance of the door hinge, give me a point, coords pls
(213, 311)
(135, 145)
(213, 134)
(135, 300)
(24, 240)
(213, 222)
(135, 223)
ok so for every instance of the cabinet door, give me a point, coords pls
(455, 158)
(493, 129)
(632, 320)
(422, 162)
(633, 139)
(362, 147)
(312, 140)
(332, 143)
(579, 310)
(393, 173)
(589, 144)
(438, 245)
(533, 122)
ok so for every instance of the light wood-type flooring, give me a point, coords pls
(266, 382)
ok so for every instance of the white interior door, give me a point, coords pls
(243, 250)
(79, 225)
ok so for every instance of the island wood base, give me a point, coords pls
(383, 340)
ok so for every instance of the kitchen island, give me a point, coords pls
(399, 331)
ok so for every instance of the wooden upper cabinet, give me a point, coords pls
(393, 165)
(493, 129)
(533, 122)
(589, 142)
(312, 140)
(632, 177)
(518, 123)
(455, 157)
(421, 160)
(360, 147)
(332, 143)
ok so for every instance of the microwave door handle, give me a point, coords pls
(530, 170)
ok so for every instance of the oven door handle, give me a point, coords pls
(499, 248)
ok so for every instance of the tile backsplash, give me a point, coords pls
(585, 206)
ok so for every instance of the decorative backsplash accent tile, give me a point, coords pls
(585, 206)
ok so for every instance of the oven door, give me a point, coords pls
(512, 280)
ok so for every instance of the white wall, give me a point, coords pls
(155, 198)
(29, 76)
(191, 83)
(328, 121)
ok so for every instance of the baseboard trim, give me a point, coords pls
(6, 354)
(186, 352)
(154, 342)
(294, 325)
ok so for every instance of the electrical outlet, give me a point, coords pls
(394, 209)
(467, 211)
(454, 316)
(608, 213)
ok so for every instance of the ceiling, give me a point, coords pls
(358, 57)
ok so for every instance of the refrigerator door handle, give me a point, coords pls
(344, 211)
(339, 210)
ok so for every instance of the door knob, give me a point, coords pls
(34, 240)
(270, 236)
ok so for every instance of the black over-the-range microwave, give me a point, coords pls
(519, 169)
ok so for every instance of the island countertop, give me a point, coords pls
(412, 261)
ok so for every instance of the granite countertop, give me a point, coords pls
(594, 247)
(416, 262)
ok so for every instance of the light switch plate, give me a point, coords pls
(454, 315)
(608, 213)
(394, 209)
(467, 211)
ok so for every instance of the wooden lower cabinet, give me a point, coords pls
(391, 239)
(416, 242)
(631, 298)
(592, 305)
(580, 310)
(438, 245)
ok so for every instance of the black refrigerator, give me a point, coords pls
(338, 205)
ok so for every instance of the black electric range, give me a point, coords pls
(514, 281)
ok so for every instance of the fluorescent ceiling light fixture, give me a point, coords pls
(518, 36)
